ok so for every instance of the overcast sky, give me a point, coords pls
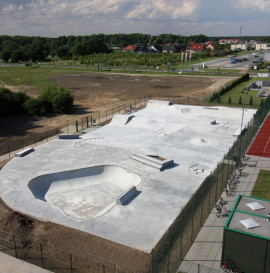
(53, 18)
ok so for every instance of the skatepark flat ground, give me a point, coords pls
(194, 137)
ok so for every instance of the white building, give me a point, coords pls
(262, 46)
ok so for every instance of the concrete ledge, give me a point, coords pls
(152, 162)
(24, 152)
(68, 136)
(127, 196)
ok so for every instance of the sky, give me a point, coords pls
(54, 18)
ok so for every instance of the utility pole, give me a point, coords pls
(240, 34)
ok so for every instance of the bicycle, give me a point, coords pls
(220, 210)
(230, 193)
(230, 266)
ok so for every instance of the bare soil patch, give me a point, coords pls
(100, 91)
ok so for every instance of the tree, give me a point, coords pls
(251, 100)
(63, 101)
(240, 100)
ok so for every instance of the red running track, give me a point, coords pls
(261, 144)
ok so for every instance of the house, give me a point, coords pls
(228, 41)
(262, 46)
(197, 47)
(129, 48)
(242, 46)
(210, 46)
(141, 50)
(173, 48)
(155, 49)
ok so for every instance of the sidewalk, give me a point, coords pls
(205, 253)
(10, 264)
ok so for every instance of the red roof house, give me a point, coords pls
(129, 48)
(197, 48)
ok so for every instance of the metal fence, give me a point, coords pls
(175, 243)
(54, 259)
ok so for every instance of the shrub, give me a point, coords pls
(32, 107)
(63, 101)
(251, 100)
(11, 103)
(240, 100)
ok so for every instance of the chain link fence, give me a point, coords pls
(54, 259)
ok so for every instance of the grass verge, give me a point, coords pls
(262, 185)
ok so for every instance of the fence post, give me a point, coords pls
(181, 235)
(41, 254)
(91, 118)
(87, 122)
(211, 180)
(8, 151)
(99, 118)
(82, 123)
(152, 261)
(67, 128)
(222, 182)
(192, 212)
(47, 136)
(77, 126)
(106, 114)
(103, 268)
(15, 247)
(168, 257)
(201, 208)
(70, 258)
(216, 182)
(198, 268)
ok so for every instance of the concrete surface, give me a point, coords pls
(185, 134)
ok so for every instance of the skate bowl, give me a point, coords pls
(88, 192)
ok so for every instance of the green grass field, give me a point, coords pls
(235, 94)
(262, 186)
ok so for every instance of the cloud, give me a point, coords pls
(258, 5)
(185, 17)
(162, 9)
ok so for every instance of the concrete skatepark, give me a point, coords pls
(93, 184)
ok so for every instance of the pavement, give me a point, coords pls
(205, 253)
(10, 264)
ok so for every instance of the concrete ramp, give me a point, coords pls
(88, 192)
(119, 120)
(158, 105)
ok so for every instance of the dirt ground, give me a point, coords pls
(93, 92)
(100, 91)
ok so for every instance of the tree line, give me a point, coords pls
(25, 48)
